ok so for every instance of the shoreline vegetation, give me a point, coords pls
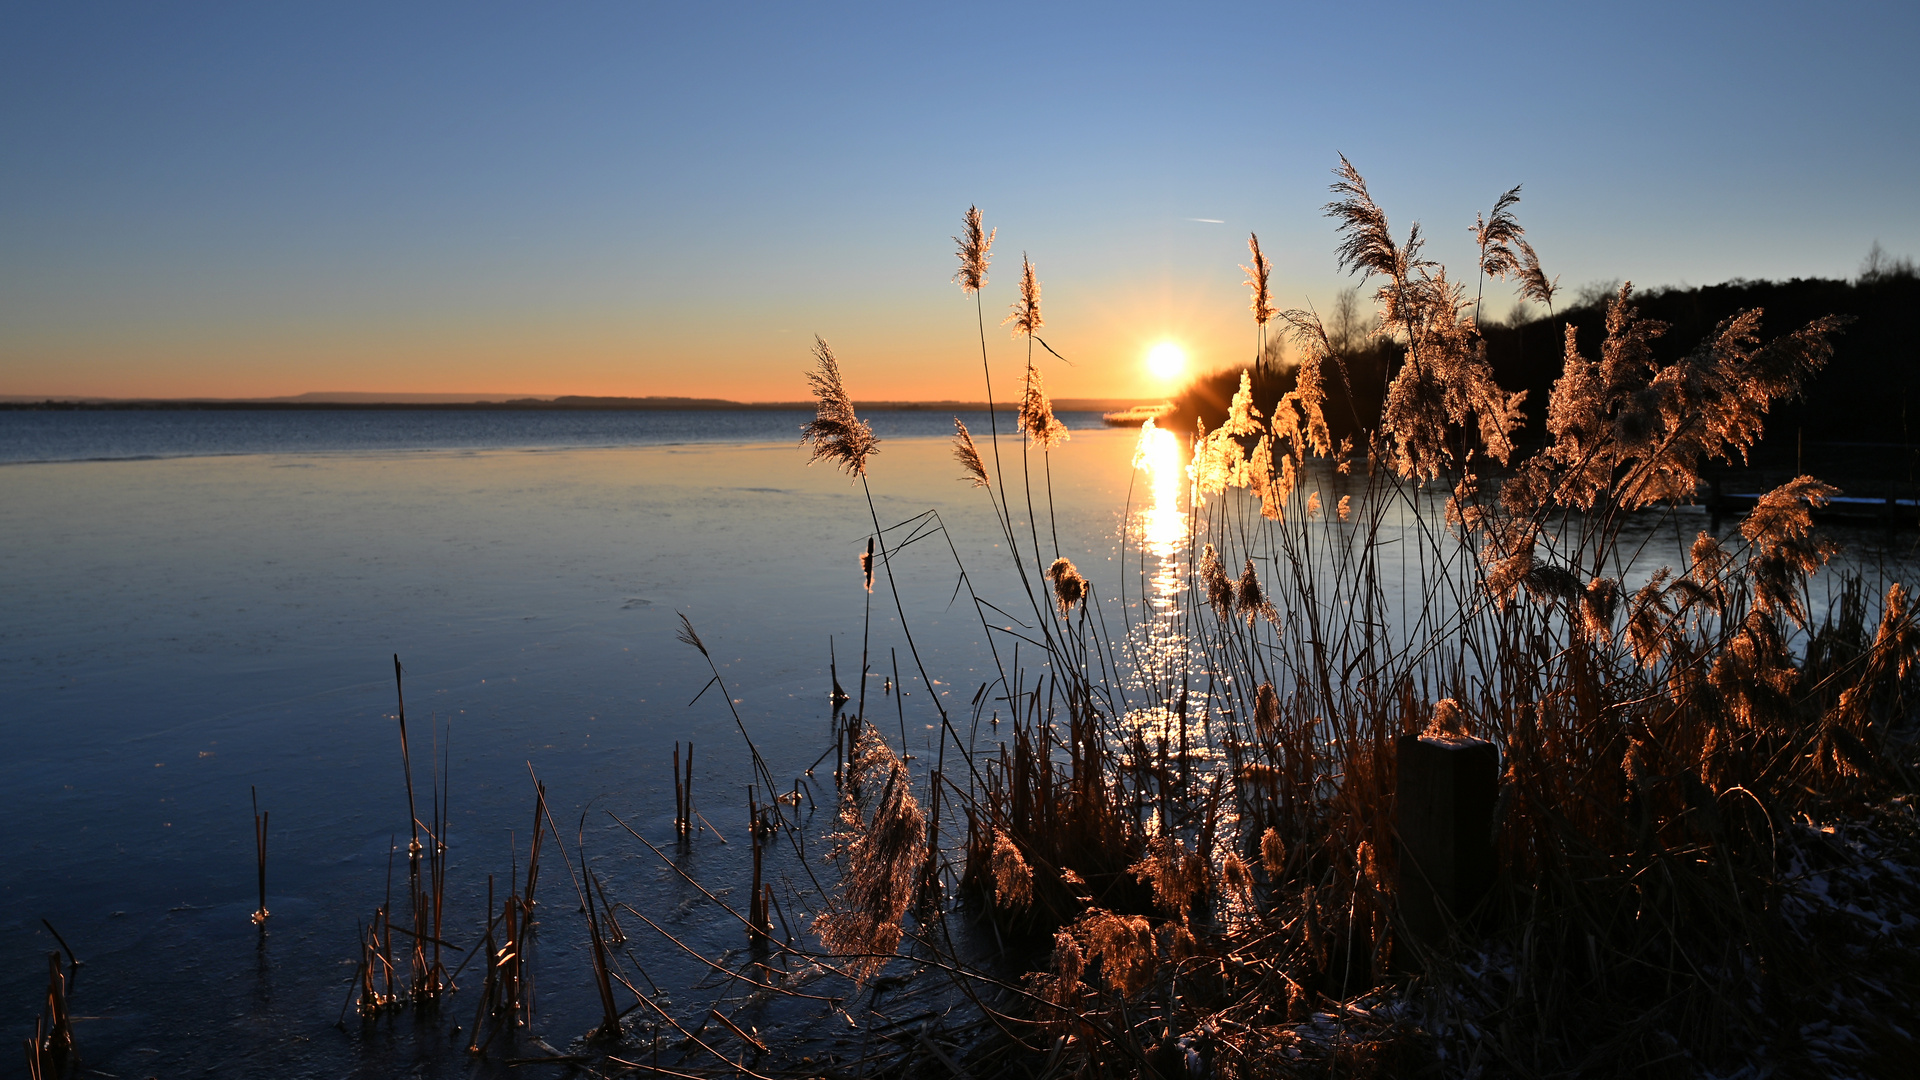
(1868, 392)
(1392, 758)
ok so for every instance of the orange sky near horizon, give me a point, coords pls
(921, 346)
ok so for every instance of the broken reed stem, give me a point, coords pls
(51, 1052)
(682, 794)
(866, 626)
(609, 1013)
(757, 906)
(260, 852)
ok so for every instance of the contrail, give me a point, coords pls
(1208, 220)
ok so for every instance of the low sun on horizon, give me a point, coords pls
(1167, 361)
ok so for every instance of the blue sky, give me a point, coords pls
(239, 200)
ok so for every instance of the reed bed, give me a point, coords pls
(1180, 850)
(1197, 854)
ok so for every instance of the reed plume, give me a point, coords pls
(1012, 877)
(1124, 946)
(1533, 280)
(1249, 599)
(1025, 316)
(835, 432)
(1043, 429)
(1219, 587)
(1273, 853)
(882, 844)
(1257, 275)
(1366, 244)
(688, 635)
(965, 452)
(975, 252)
(1496, 236)
(1069, 587)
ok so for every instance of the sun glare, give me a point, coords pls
(1166, 360)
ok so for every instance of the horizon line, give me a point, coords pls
(349, 399)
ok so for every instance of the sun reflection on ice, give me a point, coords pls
(1158, 640)
(1162, 522)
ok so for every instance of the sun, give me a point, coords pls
(1166, 360)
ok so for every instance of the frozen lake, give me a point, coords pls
(178, 629)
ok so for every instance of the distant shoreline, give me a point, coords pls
(576, 403)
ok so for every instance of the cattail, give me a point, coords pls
(975, 252)
(835, 432)
(1012, 877)
(1026, 310)
(1346, 506)
(1449, 721)
(1036, 415)
(1257, 275)
(866, 564)
(1069, 588)
(968, 454)
(1273, 853)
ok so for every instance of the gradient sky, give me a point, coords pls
(638, 198)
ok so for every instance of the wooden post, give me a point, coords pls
(1444, 816)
